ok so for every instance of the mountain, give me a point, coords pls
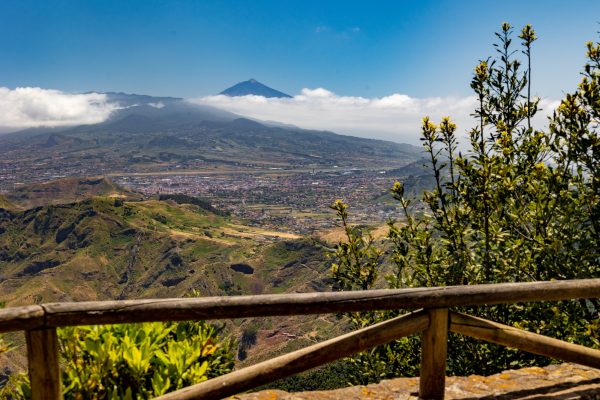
(137, 113)
(163, 134)
(253, 87)
(67, 190)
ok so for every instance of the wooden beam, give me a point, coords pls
(509, 336)
(21, 318)
(433, 356)
(110, 312)
(44, 371)
(304, 359)
(113, 312)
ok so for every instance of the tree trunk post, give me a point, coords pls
(44, 371)
(433, 357)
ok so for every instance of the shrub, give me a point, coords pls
(521, 205)
(135, 361)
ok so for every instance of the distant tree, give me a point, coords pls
(521, 205)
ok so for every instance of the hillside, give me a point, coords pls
(106, 248)
(68, 190)
(6, 204)
(171, 135)
(103, 248)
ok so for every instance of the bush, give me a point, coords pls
(521, 205)
(134, 361)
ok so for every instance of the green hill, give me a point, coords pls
(104, 248)
(68, 190)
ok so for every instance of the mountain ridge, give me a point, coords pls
(181, 135)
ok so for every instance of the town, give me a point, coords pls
(298, 202)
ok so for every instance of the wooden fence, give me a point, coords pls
(432, 319)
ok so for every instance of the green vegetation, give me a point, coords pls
(67, 190)
(185, 199)
(328, 377)
(106, 248)
(134, 361)
(522, 205)
(100, 248)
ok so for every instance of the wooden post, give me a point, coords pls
(44, 372)
(433, 357)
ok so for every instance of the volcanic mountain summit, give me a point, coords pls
(253, 87)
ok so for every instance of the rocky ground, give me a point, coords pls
(564, 381)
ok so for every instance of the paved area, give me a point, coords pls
(563, 381)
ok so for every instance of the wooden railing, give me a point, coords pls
(432, 318)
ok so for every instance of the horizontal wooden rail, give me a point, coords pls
(509, 336)
(304, 359)
(21, 318)
(40, 321)
(126, 311)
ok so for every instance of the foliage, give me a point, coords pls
(327, 377)
(135, 361)
(180, 198)
(521, 205)
(247, 340)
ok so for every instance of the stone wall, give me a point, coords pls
(563, 381)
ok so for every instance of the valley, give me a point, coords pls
(295, 201)
(266, 174)
(183, 200)
(108, 248)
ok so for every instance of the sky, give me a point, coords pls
(344, 61)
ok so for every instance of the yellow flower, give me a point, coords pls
(428, 125)
(447, 125)
(528, 34)
(481, 70)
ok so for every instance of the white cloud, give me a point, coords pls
(395, 117)
(28, 107)
(159, 104)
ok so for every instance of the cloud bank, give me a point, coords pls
(28, 107)
(396, 117)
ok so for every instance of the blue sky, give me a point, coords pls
(367, 68)
(195, 48)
